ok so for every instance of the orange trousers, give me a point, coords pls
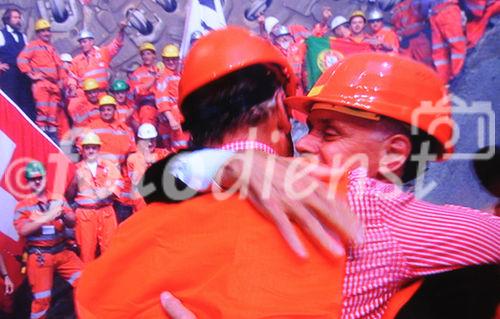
(448, 41)
(475, 29)
(41, 276)
(147, 114)
(419, 49)
(94, 227)
(47, 97)
(172, 140)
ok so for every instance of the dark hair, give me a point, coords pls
(7, 14)
(229, 103)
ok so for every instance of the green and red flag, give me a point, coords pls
(325, 51)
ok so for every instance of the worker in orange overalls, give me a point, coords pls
(82, 110)
(269, 25)
(85, 109)
(137, 163)
(340, 27)
(117, 138)
(97, 181)
(221, 257)
(321, 29)
(411, 26)
(294, 52)
(385, 39)
(449, 44)
(40, 61)
(143, 83)
(166, 92)
(125, 108)
(117, 141)
(479, 13)
(68, 92)
(94, 62)
(40, 220)
(357, 23)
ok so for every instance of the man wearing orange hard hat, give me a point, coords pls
(372, 116)
(222, 257)
(368, 106)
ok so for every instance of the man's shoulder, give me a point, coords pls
(199, 214)
(26, 202)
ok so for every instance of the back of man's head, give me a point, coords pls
(234, 102)
(228, 77)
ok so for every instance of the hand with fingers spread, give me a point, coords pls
(295, 190)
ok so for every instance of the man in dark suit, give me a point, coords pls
(14, 83)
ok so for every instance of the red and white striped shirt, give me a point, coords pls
(246, 145)
(405, 239)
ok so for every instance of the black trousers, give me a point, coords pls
(18, 87)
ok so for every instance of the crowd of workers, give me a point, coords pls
(114, 127)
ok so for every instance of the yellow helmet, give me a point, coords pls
(91, 139)
(42, 24)
(90, 84)
(107, 100)
(170, 51)
(147, 46)
(357, 13)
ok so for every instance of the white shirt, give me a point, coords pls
(92, 167)
(16, 37)
(198, 169)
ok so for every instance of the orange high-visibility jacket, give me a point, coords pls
(124, 111)
(142, 81)
(107, 177)
(223, 259)
(117, 140)
(387, 36)
(96, 64)
(41, 57)
(360, 38)
(295, 55)
(82, 112)
(320, 30)
(476, 7)
(30, 209)
(136, 166)
(407, 20)
(167, 91)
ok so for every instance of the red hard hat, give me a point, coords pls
(392, 86)
(225, 51)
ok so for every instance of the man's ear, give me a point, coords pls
(396, 150)
(283, 118)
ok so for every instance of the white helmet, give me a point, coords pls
(85, 34)
(66, 57)
(269, 23)
(281, 31)
(338, 21)
(147, 130)
(375, 14)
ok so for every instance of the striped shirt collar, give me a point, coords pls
(248, 145)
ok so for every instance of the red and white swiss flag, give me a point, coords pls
(21, 141)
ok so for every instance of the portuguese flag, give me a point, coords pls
(325, 51)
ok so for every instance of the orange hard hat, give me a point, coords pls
(225, 51)
(382, 84)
